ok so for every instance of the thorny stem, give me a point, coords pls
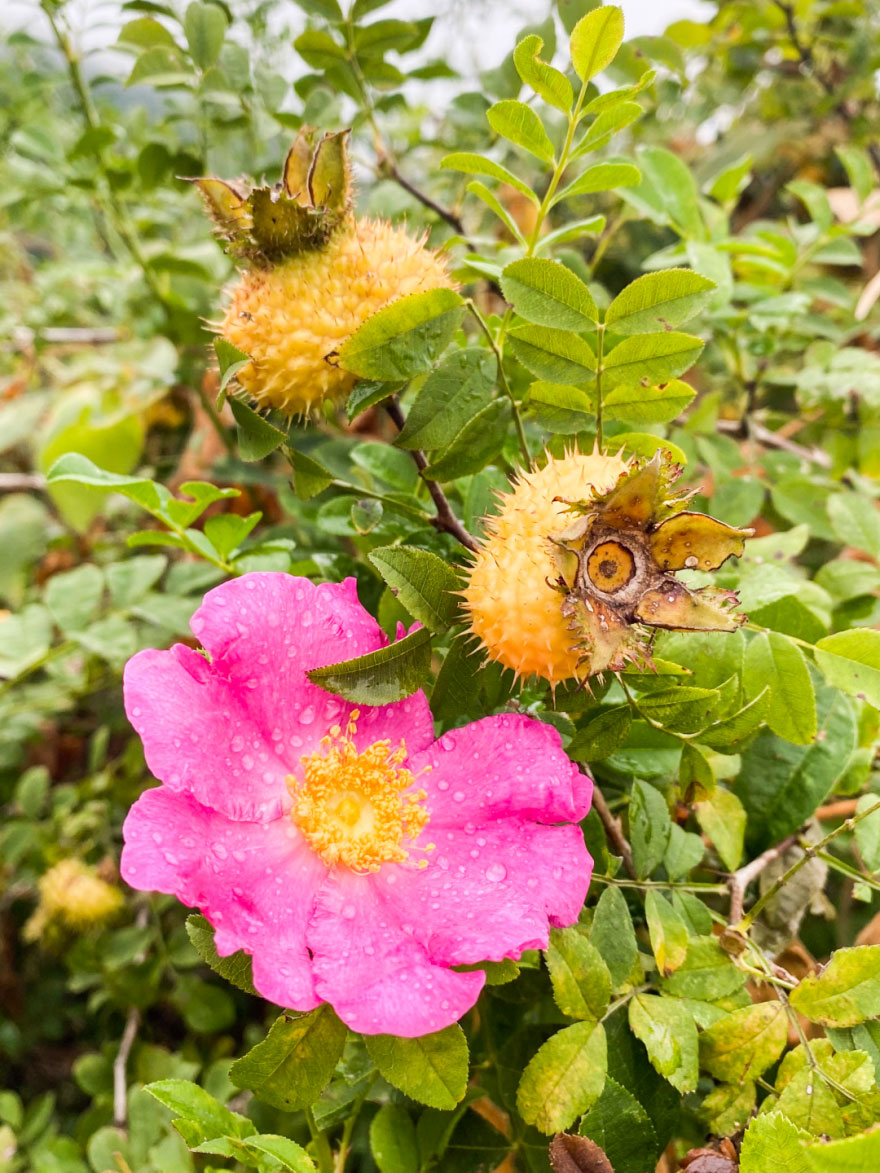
(502, 378)
(613, 830)
(808, 64)
(810, 851)
(114, 208)
(445, 519)
(740, 880)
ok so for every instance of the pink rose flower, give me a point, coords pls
(355, 858)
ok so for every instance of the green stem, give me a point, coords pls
(502, 378)
(323, 1152)
(667, 885)
(347, 1129)
(558, 171)
(810, 850)
(600, 355)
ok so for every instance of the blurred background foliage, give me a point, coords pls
(759, 170)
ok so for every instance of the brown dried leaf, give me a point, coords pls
(695, 541)
(577, 1154)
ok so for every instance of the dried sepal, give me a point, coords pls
(269, 224)
(672, 606)
(226, 204)
(696, 542)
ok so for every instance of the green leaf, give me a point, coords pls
(856, 1154)
(780, 784)
(454, 392)
(491, 201)
(226, 531)
(606, 126)
(309, 477)
(146, 33)
(288, 1153)
(855, 522)
(667, 1029)
(707, 973)
(294, 1063)
(72, 466)
(472, 164)
(553, 86)
(256, 436)
(558, 356)
(424, 584)
(723, 820)
(204, 26)
(653, 357)
(773, 660)
(684, 852)
(729, 734)
(846, 992)
(619, 1124)
(742, 1045)
(74, 596)
(549, 294)
(475, 446)
(772, 1142)
(236, 968)
(659, 301)
(668, 933)
(599, 177)
(649, 826)
(685, 709)
(405, 338)
(521, 125)
(230, 360)
(381, 677)
(613, 935)
(850, 661)
(580, 978)
(393, 1140)
(815, 200)
(595, 40)
(318, 49)
(191, 1103)
(648, 405)
(867, 831)
(561, 408)
(670, 181)
(858, 169)
(432, 1069)
(573, 230)
(602, 735)
(565, 1078)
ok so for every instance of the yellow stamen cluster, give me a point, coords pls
(357, 809)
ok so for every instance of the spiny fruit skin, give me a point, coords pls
(293, 316)
(514, 611)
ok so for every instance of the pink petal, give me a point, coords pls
(501, 766)
(231, 729)
(255, 882)
(375, 975)
(490, 892)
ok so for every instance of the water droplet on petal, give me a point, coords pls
(496, 872)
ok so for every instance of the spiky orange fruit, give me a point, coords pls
(293, 317)
(514, 610)
(311, 273)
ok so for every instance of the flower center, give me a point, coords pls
(610, 567)
(358, 809)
